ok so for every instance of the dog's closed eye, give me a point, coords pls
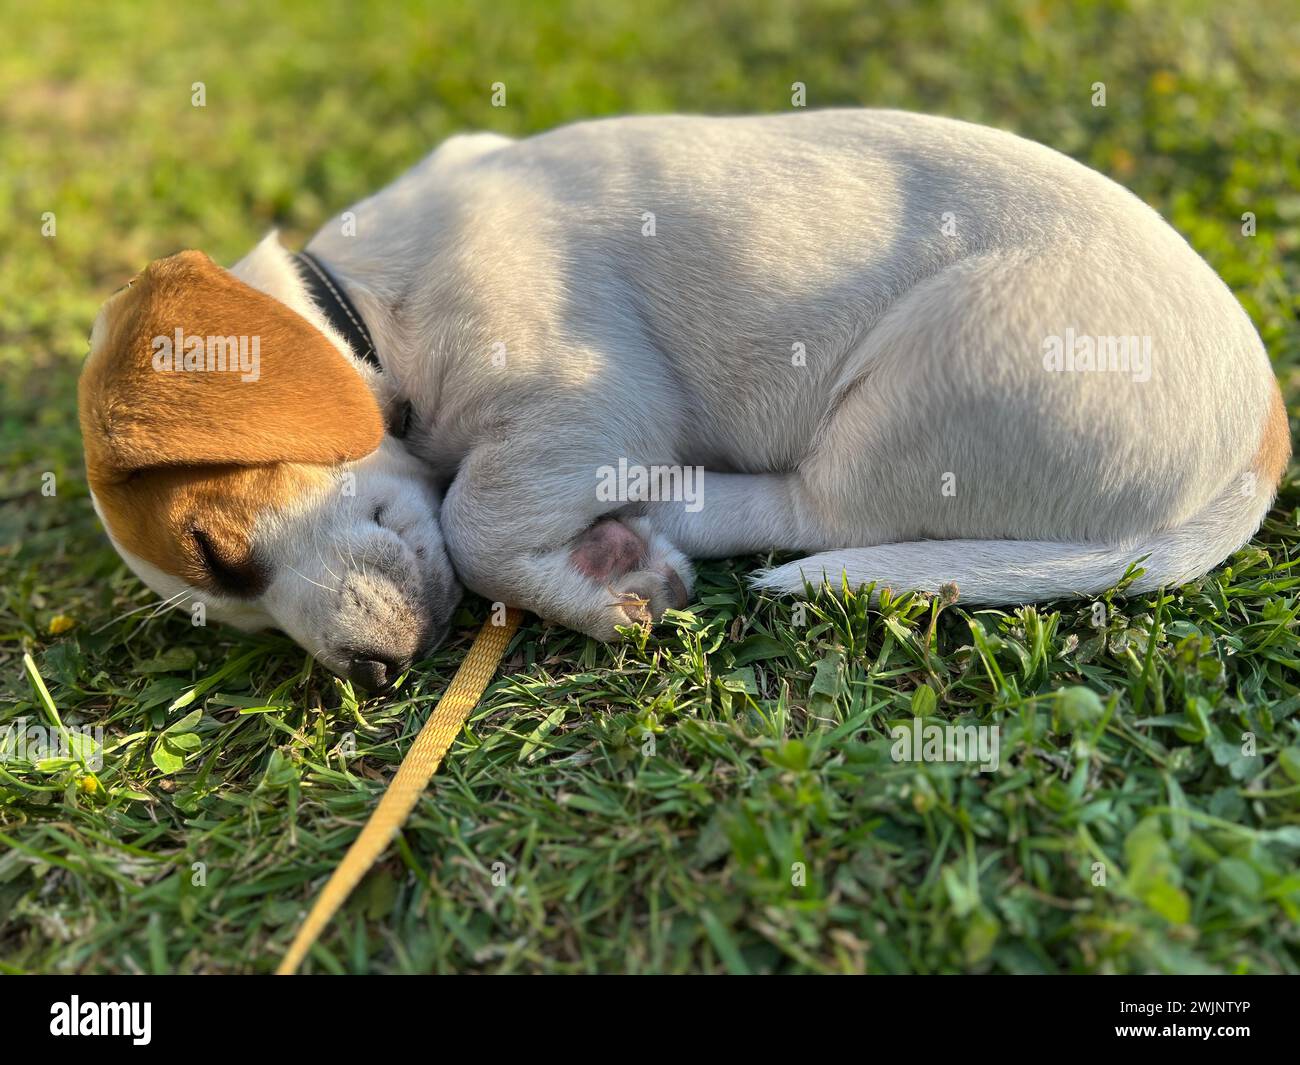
(243, 578)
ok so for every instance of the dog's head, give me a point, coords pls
(239, 461)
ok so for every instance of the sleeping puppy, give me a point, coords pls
(268, 492)
(918, 351)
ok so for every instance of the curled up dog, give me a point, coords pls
(914, 350)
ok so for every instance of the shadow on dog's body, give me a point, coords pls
(847, 318)
(920, 441)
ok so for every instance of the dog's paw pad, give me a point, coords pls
(607, 551)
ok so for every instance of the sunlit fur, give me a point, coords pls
(638, 288)
(923, 357)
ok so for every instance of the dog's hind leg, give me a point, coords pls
(741, 514)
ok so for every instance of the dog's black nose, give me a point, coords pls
(375, 672)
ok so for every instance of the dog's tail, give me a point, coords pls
(999, 572)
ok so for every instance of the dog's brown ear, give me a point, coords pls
(190, 366)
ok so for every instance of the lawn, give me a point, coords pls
(719, 796)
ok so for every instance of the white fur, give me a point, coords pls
(918, 263)
(923, 354)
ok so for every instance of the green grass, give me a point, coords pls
(649, 803)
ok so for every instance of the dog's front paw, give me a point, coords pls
(639, 574)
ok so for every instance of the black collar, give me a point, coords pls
(343, 315)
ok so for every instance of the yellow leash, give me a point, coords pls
(413, 776)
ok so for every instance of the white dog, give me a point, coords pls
(920, 350)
